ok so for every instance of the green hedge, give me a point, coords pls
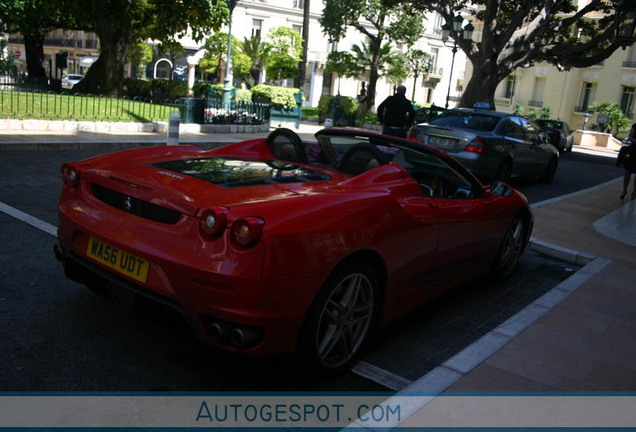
(281, 96)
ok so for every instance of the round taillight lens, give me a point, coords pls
(213, 222)
(247, 231)
(70, 174)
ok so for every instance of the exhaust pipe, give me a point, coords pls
(58, 253)
(218, 331)
(242, 338)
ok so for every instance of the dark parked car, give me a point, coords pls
(426, 114)
(493, 145)
(559, 132)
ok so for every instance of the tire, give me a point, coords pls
(504, 172)
(550, 170)
(510, 249)
(341, 317)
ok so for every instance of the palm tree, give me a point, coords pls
(251, 48)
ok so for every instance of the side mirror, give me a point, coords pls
(500, 189)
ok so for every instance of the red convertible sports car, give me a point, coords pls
(275, 245)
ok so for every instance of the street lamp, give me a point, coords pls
(625, 22)
(225, 100)
(464, 34)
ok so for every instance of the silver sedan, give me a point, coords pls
(493, 145)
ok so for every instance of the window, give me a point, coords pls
(298, 4)
(510, 86)
(627, 101)
(434, 55)
(257, 26)
(437, 24)
(298, 28)
(537, 95)
(586, 96)
(514, 129)
(531, 133)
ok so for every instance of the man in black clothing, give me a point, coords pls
(396, 113)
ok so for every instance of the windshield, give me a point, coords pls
(236, 173)
(467, 120)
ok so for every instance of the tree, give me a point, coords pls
(302, 66)
(281, 53)
(401, 23)
(139, 56)
(121, 23)
(251, 48)
(34, 19)
(342, 64)
(417, 62)
(517, 34)
(618, 121)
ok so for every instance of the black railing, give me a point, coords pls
(38, 100)
(244, 113)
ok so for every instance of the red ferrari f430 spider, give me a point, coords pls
(276, 245)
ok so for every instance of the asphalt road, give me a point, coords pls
(56, 335)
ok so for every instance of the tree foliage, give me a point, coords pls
(34, 19)
(281, 53)
(121, 23)
(377, 22)
(618, 121)
(517, 34)
(417, 63)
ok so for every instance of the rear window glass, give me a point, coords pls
(236, 173)
(467, 120)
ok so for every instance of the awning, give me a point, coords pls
(87, 61)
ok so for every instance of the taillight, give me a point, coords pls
(213, 221)
(247, 231)
(70, 174)
(477, 145)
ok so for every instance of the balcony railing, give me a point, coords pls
(535, 103)
(503, 101)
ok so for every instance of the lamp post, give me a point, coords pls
(465, 34)
(625, 22)
(225, 100)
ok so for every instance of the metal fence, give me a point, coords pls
(246, 113)
(21, 100)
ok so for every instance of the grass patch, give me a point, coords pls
(51, 106)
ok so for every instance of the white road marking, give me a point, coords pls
(24, 217)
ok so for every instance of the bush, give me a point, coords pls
(155, 89)
(277, 96)
(243, 96)
(324, 104)
(348, 104)
(309, 111)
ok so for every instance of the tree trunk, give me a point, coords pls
(113, 26)
(302, 66)
(373, 74)
(34, 50)
(482, 85)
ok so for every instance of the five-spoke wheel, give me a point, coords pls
(341, 317)
(510, 249)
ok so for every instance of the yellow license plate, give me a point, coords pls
(118, 260)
